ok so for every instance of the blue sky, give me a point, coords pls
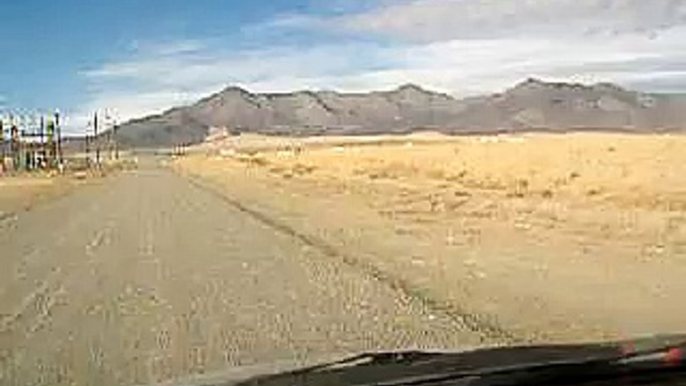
(136, 57)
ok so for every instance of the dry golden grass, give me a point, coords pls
(22, 191)
(17, 193)
(581, 183)
(585, 231)
(639, 171)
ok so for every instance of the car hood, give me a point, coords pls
(241, 373)
(464, 358)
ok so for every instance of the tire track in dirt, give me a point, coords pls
(32, 304)
(50, 278)
(488, 328)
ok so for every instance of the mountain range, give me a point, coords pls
(529, 105)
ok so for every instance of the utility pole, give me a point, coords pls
(116, 142)
(95, 138)
(110, 148)
(41, 134)
(15, 144)
(88, 150)
(2, 147)
(58, 131)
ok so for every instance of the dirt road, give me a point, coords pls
(147, 277)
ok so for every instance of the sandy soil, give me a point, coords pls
(149, 277)
(538, 237)
(23, 191)
(19, 193)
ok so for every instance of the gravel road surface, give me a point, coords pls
(148, 277)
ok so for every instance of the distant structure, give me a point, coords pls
(100, 137)
(30, 142)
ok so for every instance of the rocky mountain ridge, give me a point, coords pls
(529, 105)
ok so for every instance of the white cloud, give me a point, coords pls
(463, 47)
(283, 22)
(149, 83)
(482, 66)
(128, 105)
(172, 47)
(433, 20)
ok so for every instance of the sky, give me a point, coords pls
(137, 57)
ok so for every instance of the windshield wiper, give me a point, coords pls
(632, 362)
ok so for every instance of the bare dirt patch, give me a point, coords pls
(22, 191)
(551, 237)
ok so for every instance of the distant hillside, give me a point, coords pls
(532, 104)
(566, 106)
